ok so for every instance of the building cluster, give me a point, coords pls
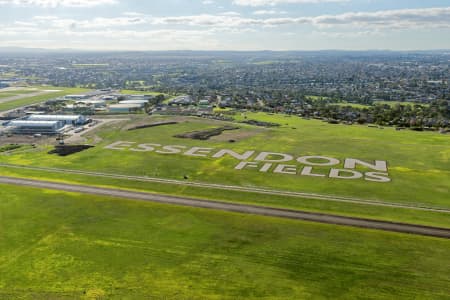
(105, 101)
(45, 124)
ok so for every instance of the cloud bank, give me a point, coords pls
(57, 3)
(277, 2)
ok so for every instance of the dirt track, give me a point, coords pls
(239, 208)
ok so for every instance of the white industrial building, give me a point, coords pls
(138, 97)
(66, 119)
(124, 108)
(93, 103)
(35, 127)
(140, 102)
(76, 97)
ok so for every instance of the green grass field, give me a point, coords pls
(41, 98)
(315, 98)
(393, 103)
(57, 245)
(8, 94)
(418, 162)
(418, 165)
(134, 92)
(355, 105)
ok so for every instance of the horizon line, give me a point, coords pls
(5, 48)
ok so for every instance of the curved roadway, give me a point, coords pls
(240, 208)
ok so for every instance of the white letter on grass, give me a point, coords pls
(338, 173)
(305, 160)
(244, 156)
(264, 155)
(120, 145)
(145, 147)
(245, 164)
(197, 151)
(350, 163)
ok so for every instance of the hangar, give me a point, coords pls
(36, 127)
(66, 119)
(125, 108)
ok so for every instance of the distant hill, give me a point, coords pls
(327, 52)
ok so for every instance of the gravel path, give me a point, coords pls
(239, 208)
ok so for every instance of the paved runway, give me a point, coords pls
(239, 208)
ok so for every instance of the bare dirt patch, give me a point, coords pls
(65, 150)
(237, 135)
(261, 123)
(205, 134)
(143, 126)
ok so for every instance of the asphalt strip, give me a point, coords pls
(232, 207)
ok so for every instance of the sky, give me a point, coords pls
(226, 24)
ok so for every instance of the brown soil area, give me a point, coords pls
(236, 135)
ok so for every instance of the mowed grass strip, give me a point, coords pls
(61, 245)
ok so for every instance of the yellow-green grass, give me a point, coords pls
(418, 162)
(355, 105)
(7, 94)
(221, 110)
(135, 92)
(57, 245)
(315, 98)
(62, 91)
(404, 215)
(394, 103)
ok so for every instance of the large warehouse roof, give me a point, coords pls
(54, 117)
(125, 106)
(26, 123)
(133, 102)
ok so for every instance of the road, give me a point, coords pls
(332, 198)
(231, 207)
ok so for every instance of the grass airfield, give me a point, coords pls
(419, 165)
(57, 245)
(33, 95)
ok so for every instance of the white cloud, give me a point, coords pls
(402, 18)
(269, 12)
(389, 19)
(207, 31)
(133, 14)
(56, 3)
(165, 39)
(212, 31)
(277, 2)
(231, 13)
